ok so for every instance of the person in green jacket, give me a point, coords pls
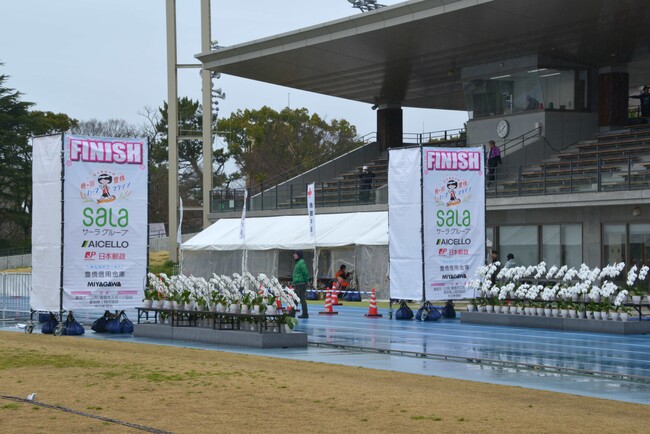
(300, 279)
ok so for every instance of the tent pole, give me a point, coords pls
(422, 225)
(62, 226)
(314, 267)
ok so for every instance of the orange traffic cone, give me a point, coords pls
(335, 295)
(328, 305)
(372, 307)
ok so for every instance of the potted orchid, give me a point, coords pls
(635, 283)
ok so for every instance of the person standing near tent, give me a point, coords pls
(300, 279)
(342, 278)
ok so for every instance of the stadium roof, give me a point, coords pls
(412, 53)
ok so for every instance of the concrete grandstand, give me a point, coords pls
(549, 81)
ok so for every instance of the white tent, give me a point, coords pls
(356, 239)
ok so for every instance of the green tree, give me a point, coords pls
(17, 125)
(271, 146)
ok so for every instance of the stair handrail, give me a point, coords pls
(532, 134)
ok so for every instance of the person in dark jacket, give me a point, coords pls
(644, 99)
(300, 279)
(365, 184)
(494, 159)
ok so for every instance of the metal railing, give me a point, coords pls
(14, 295)
(510, 181)
(521, 141)
(334, 193)
(628, 173)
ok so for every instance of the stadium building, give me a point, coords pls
(549, 81)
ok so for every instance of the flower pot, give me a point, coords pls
(212, 307)
(564, 313)
(574, 297)
(555, 312)
(244, 309)
(189, 305)
(160, 304)
(220, 307)
(527, 311)
(540, 311)
(256, 309)
(624, 316)
(572, 313)
(489, 308)
(481, 308)
(234, 308)
(520, 310)
(287, 329)
(271, 309)
(470, 308)
(497, 309)
(636, 299)
(581, 314)
(177, 305)
(147, 304)
(588, 314)
(547, 311)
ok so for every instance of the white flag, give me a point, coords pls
(242, 225)
(311, 209)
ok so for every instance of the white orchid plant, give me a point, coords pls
(557, 285)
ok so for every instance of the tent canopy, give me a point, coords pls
(292, 232)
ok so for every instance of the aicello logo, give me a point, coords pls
(105, 244)
(454, 242)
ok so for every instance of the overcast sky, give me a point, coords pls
(106, 59)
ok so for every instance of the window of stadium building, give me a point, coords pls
(521, 241)
(533, 89)
(560, 244)
(622, 241)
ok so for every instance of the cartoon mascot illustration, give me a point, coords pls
(452, 185)
(103, 180)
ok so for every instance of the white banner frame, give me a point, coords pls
(453, 183)
(105, 222)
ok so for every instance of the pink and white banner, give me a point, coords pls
(453, 182)
(105, 222)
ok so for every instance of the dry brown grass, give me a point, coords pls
(189, 390)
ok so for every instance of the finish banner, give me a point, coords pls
(453, 182)
(105, 222)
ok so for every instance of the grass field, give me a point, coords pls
(188, 391)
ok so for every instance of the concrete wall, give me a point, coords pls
(11, 262)
(560, 129)
(590, 216)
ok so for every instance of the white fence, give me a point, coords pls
(14, 295)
